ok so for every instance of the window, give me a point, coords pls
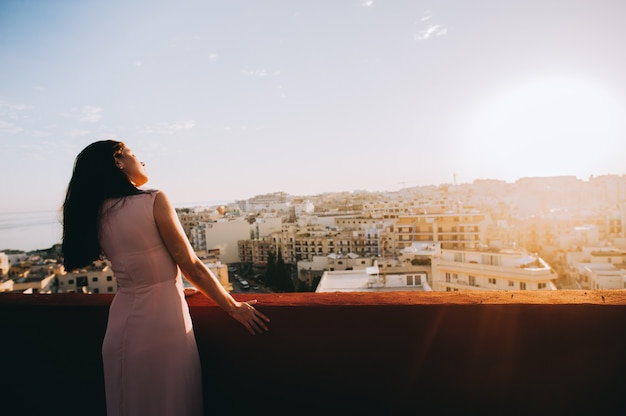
(96, 290)
(409, 280)
(447, 277)
(70, 282)
(541, 286)
(511, 283)
(522, 286)
(492, 281)
(109, 289)
(109, 278)
(94, 279)
(490, 260)
(472, 280)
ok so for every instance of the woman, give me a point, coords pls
(150, 356)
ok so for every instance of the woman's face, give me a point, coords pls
(132, 167)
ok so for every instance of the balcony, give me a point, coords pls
(557, 352)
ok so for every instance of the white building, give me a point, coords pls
(336, 262)
(303, 207)
(4, 265)
(490, 269)
(602, 276)
(372, 279)
(266, 225)
(41, 281)
(222, 237)
(97, 278)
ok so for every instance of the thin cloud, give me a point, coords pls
(9, 128)
(86, 113)
(12, 110)
(78, 132)
(282, 92)
(33, 151)
(254, 73)
(368, 3)
(213, 57)
(169, 128)
(432, 30)
(40, 133)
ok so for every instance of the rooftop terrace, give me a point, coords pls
(556, 352)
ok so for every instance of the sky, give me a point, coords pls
(229, 99)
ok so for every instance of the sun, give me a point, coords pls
(547, 127)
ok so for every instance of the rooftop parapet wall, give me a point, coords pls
(561, 352)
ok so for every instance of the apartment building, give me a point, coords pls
(373, 279)
(31, 274)
(222, 237)
(275, 201)
(254, 251)
(450, 230)
(190, 218)
(303, 243)
(302, 206)
(40, 281)
(406, 203)
(219, 269)
(197, 237)
(601, 276)
(490, 269)
(97, 278)
(597, 267)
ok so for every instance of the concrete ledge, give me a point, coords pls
(558, 352)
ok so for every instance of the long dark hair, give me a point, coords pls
(94, 179)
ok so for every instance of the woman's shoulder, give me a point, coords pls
(152, 192)
(161, 199)
(142, 195)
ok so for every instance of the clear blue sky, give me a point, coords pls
(228, 99)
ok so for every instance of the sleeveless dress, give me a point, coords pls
(149, 352)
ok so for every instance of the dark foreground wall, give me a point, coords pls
(394, 353)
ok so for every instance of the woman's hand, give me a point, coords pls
(252, 319)
(190, 291)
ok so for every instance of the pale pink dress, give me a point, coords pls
(149, 352)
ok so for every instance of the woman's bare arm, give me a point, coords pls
(197, 272)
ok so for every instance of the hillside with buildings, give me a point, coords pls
(534, 234)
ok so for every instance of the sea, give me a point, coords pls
(29, 231)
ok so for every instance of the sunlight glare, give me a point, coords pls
(555, 126)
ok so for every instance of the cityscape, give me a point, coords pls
(427, 200)
(537, 233)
